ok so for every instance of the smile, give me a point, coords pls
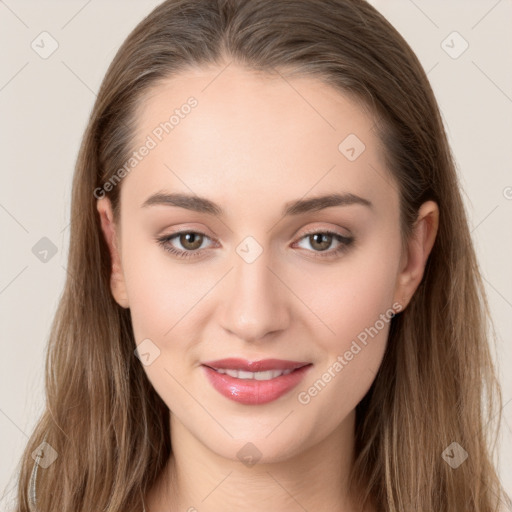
(267, 375)
(257, 382)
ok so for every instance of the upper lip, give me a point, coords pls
(233, 363)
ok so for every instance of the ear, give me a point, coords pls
(109, 229)
(418, 248)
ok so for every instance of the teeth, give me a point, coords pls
(242, 374)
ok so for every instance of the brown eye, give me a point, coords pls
(320, 241)
(189, 243)
(190, 240)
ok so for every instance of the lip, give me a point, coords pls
(252, 391)
(234, 363)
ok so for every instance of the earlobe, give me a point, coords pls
(419, 247)
(108, 227)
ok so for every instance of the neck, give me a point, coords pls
(196, 477)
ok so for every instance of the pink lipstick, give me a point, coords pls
(254, 382)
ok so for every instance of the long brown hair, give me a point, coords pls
(436, 384)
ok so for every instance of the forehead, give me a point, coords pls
(254, 134)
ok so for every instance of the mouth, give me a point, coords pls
(254, 382)
(241, 374)
(264, 369)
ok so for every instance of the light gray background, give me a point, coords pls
(45, 103)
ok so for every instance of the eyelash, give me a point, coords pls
(345, 242)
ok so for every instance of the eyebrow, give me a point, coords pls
(297, 207)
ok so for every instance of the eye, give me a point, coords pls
(322, 240)
(192, 241)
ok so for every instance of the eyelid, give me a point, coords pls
(321, 229)
(344, 240)
(191, 229)
(343, 243)
(311, 231)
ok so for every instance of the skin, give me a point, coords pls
(252, 144)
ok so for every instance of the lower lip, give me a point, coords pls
(252, 391)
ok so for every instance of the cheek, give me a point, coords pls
(349, 296)
(161, 292)
(163, 301)
(354, 299)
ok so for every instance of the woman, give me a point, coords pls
(273, 299)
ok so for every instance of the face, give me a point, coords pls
(256, 270)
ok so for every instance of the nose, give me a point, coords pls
(257, 301)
